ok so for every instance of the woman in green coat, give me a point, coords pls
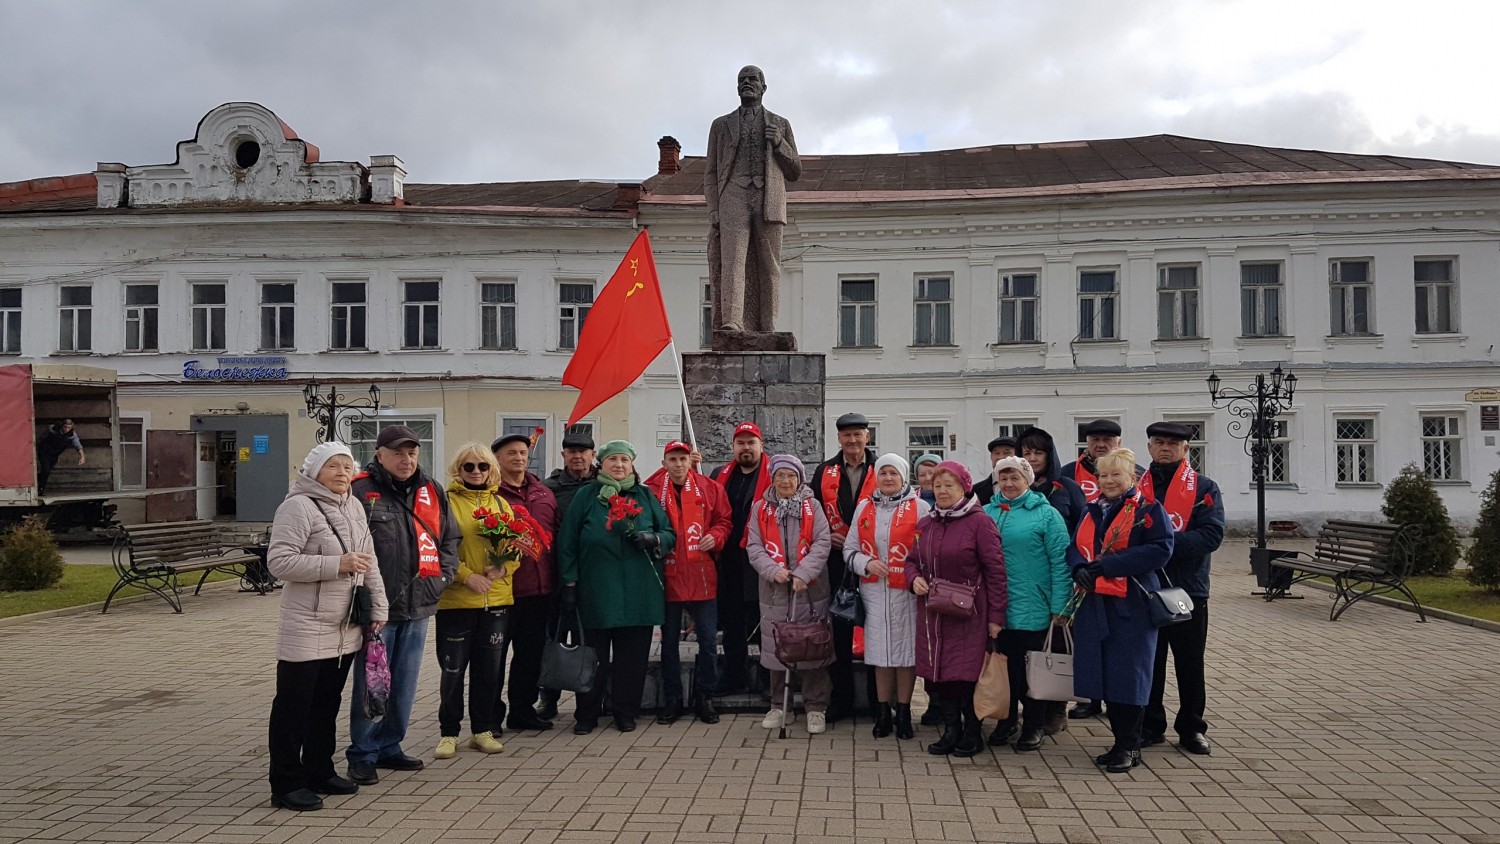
(609, 554)
(1038, 583)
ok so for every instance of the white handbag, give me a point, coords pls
(1049, 676)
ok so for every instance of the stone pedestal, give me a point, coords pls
(782, 392)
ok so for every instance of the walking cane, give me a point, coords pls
(786, 690)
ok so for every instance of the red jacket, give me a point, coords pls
(535, 577)
(692, 575)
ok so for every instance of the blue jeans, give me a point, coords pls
(405, 643)
(706, 624)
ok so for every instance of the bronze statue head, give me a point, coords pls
(751, 84)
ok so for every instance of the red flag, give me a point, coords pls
(624, 332)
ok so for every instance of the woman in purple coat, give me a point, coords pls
(1121, 543)
(957, 543)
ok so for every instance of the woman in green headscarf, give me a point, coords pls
(609, 554)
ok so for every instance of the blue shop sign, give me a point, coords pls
(237, 369)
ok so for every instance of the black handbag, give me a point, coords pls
(1169, 605)
(847, 605)
(362, 607)
(565, 667)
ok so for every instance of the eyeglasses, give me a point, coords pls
(476, 467)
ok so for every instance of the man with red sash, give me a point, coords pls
(1194, 507)
(416, 542)
(1102, 437)
(840, 483)
(745, 480)
(699, 511)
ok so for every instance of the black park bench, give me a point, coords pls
(153, 556)
(1361, 558)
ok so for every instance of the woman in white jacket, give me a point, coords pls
(321, 549)
(884, 533)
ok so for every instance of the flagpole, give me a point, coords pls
(686, 413)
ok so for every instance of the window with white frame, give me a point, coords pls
(132, 441)
(208, 316)
(419, 314)
(926, 438)
(349, 313)
(874, 430)
(278, 316)
(363, 432)
(1442, 440)
(574, 300)
(141, 317)
(1019, 294)
(857, 313)
(1197, 442)
(1354, 447)
(706, 314)
(1177, 302)
(75, 319)
(1437, 283)
(497, 315)
(1279, 452)
(1260, 299)
(1098, 304)
(10, 320)
(1013, 429)
(932, 311)
(1351, 288)
(1081, 443)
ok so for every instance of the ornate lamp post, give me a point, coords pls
(324, 409)
(1253, 411)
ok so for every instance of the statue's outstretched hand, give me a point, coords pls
(773, 133)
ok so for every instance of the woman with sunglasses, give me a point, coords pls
(473, 612)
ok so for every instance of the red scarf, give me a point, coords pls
(425, 511)
(770, 531)
(687, 518)
(1117, 538)
(903, 538)
(1087, 480)
(829, 486)
(762, 483)
(1180, 497)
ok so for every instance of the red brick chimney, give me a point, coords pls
(627, 196)
(671, 156)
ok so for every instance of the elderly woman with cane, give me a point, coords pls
(788, 541)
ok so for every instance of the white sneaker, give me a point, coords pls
(774, 719)
(817, 722)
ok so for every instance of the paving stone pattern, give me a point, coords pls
(147, 726)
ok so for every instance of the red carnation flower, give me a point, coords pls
(492, 522)
(1148, 521)
(1005, 507)
(1208, 500)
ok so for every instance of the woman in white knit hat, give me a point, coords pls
(884, 532)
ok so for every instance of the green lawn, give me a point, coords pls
(80, 584)
(1454, 594)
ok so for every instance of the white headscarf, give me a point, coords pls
(322, 453)
(898, 463)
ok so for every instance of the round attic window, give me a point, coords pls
(246, 154)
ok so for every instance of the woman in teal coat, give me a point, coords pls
(609, 554)
(1038, 583)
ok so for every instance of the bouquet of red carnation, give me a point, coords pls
(509, 535)
(622, 509)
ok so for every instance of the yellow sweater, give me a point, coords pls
(474, 551)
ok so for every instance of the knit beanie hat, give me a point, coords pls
(788, 461)
(322, 453)
(1017, 463)
(960, 471)
(897, 462)
(926, 459)
(615, 447)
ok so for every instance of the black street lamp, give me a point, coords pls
(1254, 411)
(325, 410)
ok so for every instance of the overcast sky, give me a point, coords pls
(475, 90)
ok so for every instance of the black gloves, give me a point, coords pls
(1082, 577)
(569, 601)
(647, 541)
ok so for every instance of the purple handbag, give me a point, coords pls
(951, 598)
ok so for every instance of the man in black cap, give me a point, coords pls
(1194, 506)
(999, 447)
(416, 542)
(577, 470)
(840, 483)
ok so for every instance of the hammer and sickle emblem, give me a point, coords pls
(635, 266)
(638, 286)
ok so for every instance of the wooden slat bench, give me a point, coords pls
(1361, 558)
(152, 556)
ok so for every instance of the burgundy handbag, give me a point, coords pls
(801, 641)
(951, 598)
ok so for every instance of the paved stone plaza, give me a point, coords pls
(147, 726)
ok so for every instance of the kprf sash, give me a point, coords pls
(903, 538)
(688, 518)
(770, 531)
(424, 512)
(1181, 495)
(1117, 538)
(829, 487)
(1087, 481)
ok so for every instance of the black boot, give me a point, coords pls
(884, 720)
(972, 740)
(670, 711)
(932, 716)
(903, 721)
(1031, 739)
(952, 728)
(704, 710)
(1004, 732)
(1087, 710)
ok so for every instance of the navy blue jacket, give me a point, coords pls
(1193, 548)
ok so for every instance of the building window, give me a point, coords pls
(132, 452)
(1441, 438)
(419, 314)
(1013, 429)
(208, 317)
(857, 313)
(1279, 453)
(10, 320)
(362, 434)
(932, 309)
(1436, 279)
(1098, 298)
(706, 326)
(1081, 444)
(1260, 300)
(574, 301)
(497, 315)
(1197, 442)
(278, 308)
(1018, 302)
(348, 316)
(1354, 443)
(925, 439)
(1351, 287)
(141, 302)
(1177, 302)
(75, 319)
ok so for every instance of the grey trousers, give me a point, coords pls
(817, 688)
